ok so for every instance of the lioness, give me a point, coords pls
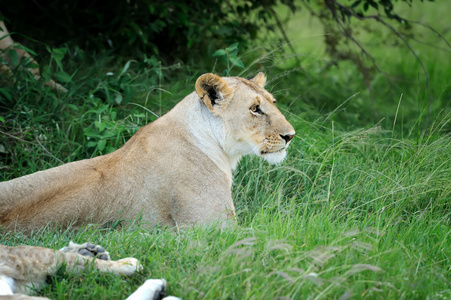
(174, 171)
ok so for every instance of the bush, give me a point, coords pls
(174, 28)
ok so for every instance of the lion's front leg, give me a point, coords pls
(77, 255)
(151, 289)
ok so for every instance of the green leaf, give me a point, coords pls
(19, 46)
(126, 67)
(91, 144)
(58, 55)
(118, 98)
(233, 52)
(110, 149)
(373, 4)
(219, 52)
(14, 59)
(153, 61)
(90, 132)
(99, 125)
(101, 145)
(113, 115)
(73, 107)
(108, 134)
(6, 93)
(2, 120)
(151, 8)
(237, 62)
(30, 64)
(356, 3)
(46, 73)
(233, 47)
(62, 76)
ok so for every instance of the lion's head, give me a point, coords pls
(252, 122)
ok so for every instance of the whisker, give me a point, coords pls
(257, 147)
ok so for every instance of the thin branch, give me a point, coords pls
(24, 141)
(285, 37)
(15, 137)
(426, 44)
(397, 33)
(48, 152)
(433, 30)
(343, 30)
(351, 37)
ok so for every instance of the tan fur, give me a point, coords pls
(174, 171)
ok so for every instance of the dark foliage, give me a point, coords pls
(173, 28)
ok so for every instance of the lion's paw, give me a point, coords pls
(132, 262)
(87, 249)
(152, 289)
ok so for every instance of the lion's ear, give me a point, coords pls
(259, 79)
(213, 90)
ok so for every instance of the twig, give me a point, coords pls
(349, 36)
(433, 30)
(15, 137)
(48, 152)
(426, 44)
(343, 30)
(406, 43)
(24, 141)
(285, 37)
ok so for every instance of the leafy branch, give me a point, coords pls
(342, 15)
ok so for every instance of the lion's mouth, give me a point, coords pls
(271, 152)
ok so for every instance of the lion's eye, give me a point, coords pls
(255, 109)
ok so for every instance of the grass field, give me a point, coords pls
(361, 208)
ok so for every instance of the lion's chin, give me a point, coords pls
(275, 158)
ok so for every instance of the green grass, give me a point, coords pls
(360, 213)
(361, 208)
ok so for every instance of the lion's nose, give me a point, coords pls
(287, 137)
